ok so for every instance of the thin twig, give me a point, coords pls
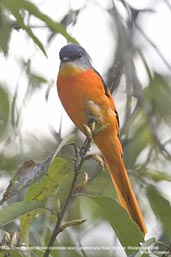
(115, 72)
(79, 159)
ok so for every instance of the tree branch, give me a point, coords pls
(80, 157)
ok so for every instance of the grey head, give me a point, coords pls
(75, 54)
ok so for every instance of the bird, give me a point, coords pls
(88, 102)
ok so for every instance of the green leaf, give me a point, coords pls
(55, 26)
(25, 222)
(158, 95)
(4, 111)
(16, 210)
(125, 228)
(70, 139)
(15, 7)
(156, 175)
(5, 32)
(28, 174)
(47, 186)
(18, 6)
(39, 253)
(139, 136)
(36, 80)
(161, 207)
(13, 253)
(19, 180)
(72, 223)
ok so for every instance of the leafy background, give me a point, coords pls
(138, 74)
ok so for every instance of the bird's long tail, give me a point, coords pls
(122, 183)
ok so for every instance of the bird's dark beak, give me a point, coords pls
(66, 59)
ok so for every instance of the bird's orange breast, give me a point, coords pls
(82, 94)
(77, 90)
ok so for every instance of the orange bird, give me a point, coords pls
(87, 100)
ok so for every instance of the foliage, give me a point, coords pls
(55, 202)
(19, 7)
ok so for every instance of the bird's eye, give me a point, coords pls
(80, 55)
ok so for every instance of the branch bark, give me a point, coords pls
(80, 157)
